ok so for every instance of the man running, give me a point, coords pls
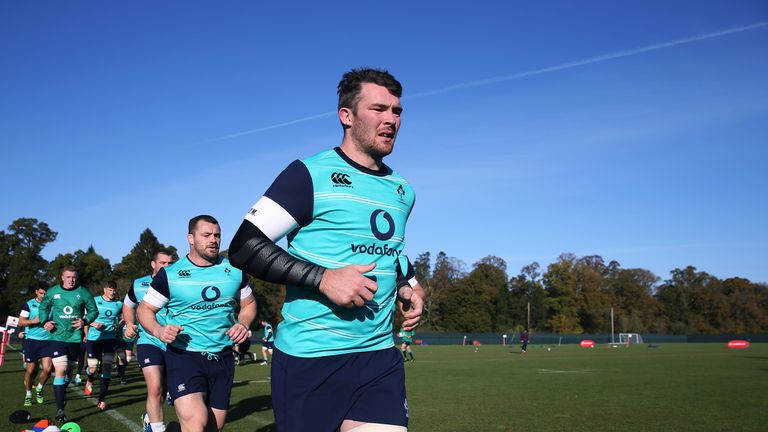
(34, 347)
(101, 340)
(150, 350)
(68, 308)
(268, 342)
(200, 293)
(335, 365)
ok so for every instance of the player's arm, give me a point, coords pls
(287, 205)
(91, 313)
(154, 300)
(239, 331)
(129, 313)
(45, 311)
(24, 320)
(410, 294)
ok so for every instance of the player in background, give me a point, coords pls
(101, 341)
(524, 339)
(68, 309)
(200, 292)
(150, 350)
(405, 346)
(34, 347)
(267, 342)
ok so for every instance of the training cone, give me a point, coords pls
(52, 428)
(41, 425)
(70, 427)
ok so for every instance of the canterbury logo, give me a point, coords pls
(184, 273)
(340, 179)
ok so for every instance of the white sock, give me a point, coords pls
(157, 427)
(39, 387)
(29, 393)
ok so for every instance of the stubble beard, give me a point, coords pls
(366, 143)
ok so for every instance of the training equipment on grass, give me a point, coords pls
(630, 338)
(70, 427)
(738, 344)
(587, 343)
(20, 416)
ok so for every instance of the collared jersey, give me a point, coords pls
(109, 310)
(407, 335)
(269, 335)
(133, 298)
(31, 310)
(344, 214)
(63, 306)
(201, 300)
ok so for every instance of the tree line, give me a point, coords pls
(572, 295)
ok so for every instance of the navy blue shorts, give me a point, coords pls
(149, 355)
(58, 349)
(193, 372)
(318, 394)
(34, 349)
(268, 345)
(97, 348)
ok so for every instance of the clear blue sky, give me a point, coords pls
(633, 130)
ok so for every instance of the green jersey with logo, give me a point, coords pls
(407, 335)
(201, 300)
(344, 214)
(63, 306)
(109, 310)
(30, 311)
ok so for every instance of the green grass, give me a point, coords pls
(676, 387)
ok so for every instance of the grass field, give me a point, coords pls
(674, 387)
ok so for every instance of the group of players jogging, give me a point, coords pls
(335, 364)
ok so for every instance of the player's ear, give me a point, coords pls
(345, 117)
(190, 239)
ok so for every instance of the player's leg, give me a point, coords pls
(410, 351)
(107, 357)
(192, 412)
(381, 404)
(29, 373)
(221, 377)
(93, 353)
(151, 360)
(402, 350)
(46, 367)
(264, 354)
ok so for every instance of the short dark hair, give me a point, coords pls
(163, 251)
(110, 284)
(68, 268)
(205, 218)
(352, 82)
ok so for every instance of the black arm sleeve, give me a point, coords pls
(404, 275)
(254, 253)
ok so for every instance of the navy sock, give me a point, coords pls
(103, 387)
(60, 392)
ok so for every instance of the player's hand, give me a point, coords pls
(130, 331)
(49, 326)
(77, 323)
(167, 333)
(411, 306)
(238, 333)
(97, 325)
(346, 286)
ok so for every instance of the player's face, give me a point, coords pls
(205, 241)
(110, 293)
(376, 120)
(68, 279)
(162, 260)
(39, 294)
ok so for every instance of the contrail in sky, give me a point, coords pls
(563, 66)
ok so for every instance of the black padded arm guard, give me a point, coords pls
(254, 253)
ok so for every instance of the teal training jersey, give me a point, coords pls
(64, 306)
(201, 300)
(30, 311)
(354, 215)
(109, 310)
(269, 335)
(133, 298)
(407, 335)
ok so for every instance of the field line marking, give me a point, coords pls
(130, 424)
